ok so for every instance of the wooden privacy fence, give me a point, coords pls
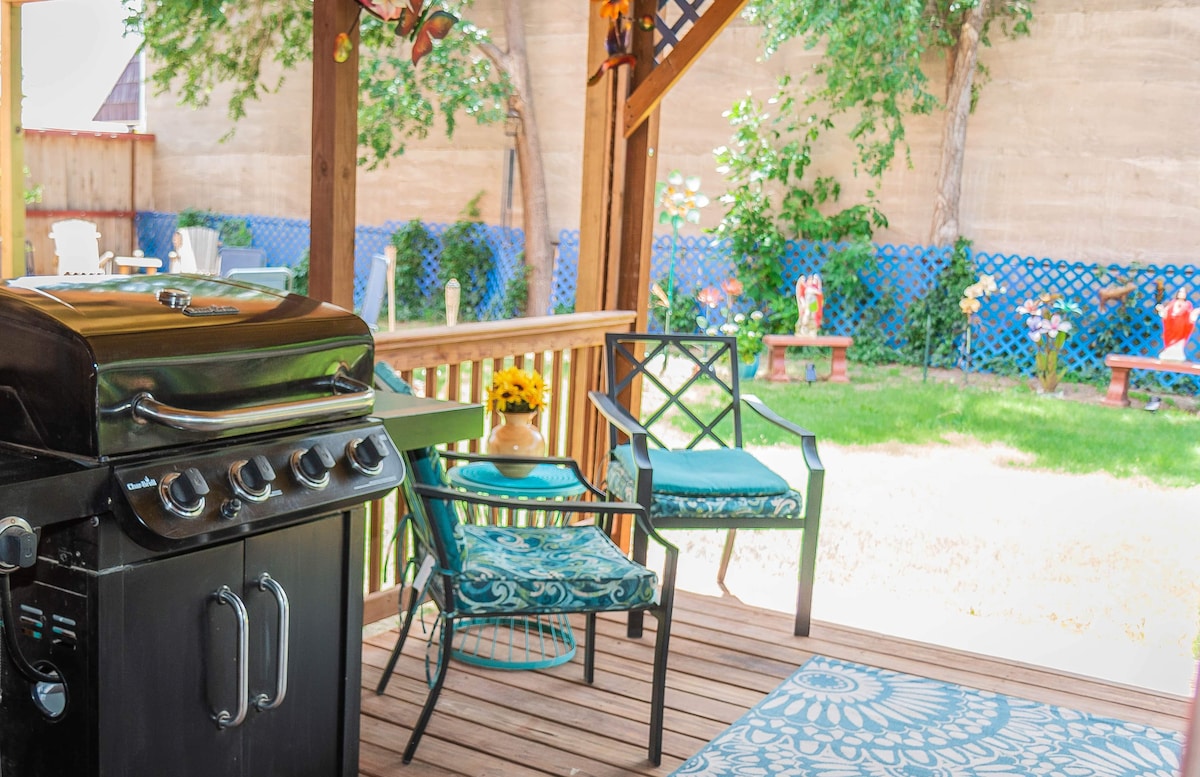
(103, 177)
(456, 363)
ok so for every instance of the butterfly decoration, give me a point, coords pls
(415, 21)
(617, 41)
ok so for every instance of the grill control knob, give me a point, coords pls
(251, 479)
(367, 455)
(312, 466)
(183, 492)
(18, 544)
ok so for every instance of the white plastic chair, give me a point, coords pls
(196, 251)
(375, 291)
(77, 246)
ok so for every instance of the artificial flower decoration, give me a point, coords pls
(419, 24)
(617, 41)
(680, 200)
(970, 304)
(514, 390)
(709, 296)
(614, 9)
(1048, 327)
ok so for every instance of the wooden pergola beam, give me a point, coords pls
(334, 155)
(12, 156)
(654, 87)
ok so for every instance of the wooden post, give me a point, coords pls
(334, 155)
(389, 251)
(12, 156)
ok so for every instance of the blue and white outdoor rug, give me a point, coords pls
(837, 719)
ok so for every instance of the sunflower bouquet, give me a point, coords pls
(515, 390)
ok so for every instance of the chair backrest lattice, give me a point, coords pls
(77, 245)
(688, 384)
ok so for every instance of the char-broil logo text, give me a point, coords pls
(146, 482)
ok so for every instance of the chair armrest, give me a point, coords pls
(557, 461)
(611, 509)
(106, 261)
(620, 418)
(617, 415)
(808, 440)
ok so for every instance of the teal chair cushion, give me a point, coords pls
(556, 569)
(726, 482)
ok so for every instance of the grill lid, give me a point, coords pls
(100, 366)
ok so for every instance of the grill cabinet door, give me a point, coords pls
(303, 736)
(177, 665)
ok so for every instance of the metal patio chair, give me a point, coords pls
(486, 562)
(690, 393)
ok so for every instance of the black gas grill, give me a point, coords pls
(182, 462)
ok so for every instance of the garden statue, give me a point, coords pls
(810, 299)
(1179, 319)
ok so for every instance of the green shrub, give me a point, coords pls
(195, 217)
(937, 315)
(412, 243)
(467, 257)
(236, 233)
(300, 274)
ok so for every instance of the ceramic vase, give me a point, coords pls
(747, 370)
(516, 435)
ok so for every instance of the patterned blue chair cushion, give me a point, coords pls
(736, 484)
(539, 570)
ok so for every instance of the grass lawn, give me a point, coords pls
(1071, 434)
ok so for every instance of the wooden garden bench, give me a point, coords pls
(777, 346)
(1120, 364)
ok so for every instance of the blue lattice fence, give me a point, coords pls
(905, 274)
(285, 241)
(999, 339)
(566, 272)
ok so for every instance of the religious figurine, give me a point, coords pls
(810, 299)
(1179, 319)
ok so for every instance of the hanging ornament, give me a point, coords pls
(342, 46)
(617, 41)
(413, 21)
(419, 24)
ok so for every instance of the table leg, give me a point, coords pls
(778, 354)
(1118, 388)
(837, 373)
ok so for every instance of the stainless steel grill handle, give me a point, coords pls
(148, 409)
(262, 701)
(223, 718)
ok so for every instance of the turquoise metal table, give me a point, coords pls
(517, 643)
(546, 481)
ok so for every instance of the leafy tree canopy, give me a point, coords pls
(197, 45)
(872, 56)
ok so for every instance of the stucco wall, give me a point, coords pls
(1083, 147)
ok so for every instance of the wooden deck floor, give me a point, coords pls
(725, 656)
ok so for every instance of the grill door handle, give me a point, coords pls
(262, 701)
(224, 718)
(148, 409)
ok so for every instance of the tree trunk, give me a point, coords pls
(945, 230)
(539, 250)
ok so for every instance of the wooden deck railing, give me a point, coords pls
(456, 363)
